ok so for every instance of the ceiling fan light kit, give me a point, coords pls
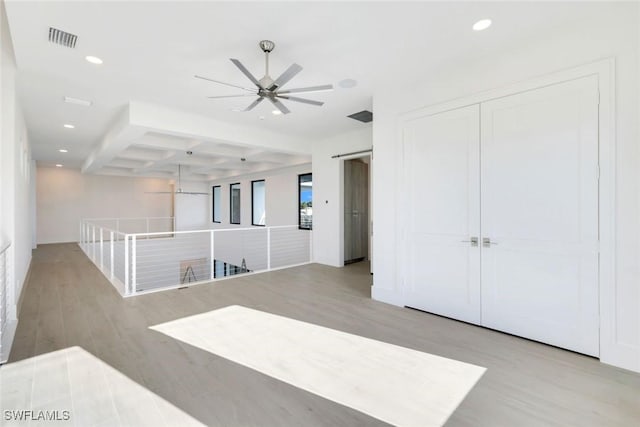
(269, 88)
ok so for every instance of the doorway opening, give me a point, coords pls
(357, 208)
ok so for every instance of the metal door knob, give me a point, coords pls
(472, 240)
(486, 242)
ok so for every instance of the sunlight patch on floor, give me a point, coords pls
(71, 387)
(397, 385)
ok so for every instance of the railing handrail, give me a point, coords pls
(208, 230)
(92, 221)
(125, 218)
(4, 247)
(117, 233)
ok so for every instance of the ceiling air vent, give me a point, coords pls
(62, 38)
(363, 116)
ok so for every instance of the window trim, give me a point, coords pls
(231, 203)
(265, 202)
(213, 204)
(300, 227)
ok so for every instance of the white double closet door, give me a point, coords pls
(501, 224)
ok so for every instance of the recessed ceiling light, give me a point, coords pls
(58, 165)
(348, 83)
(261, 117)
(276, 112)
(94, 59)
(68, 126)
(77, 101)
(62, 150)
(482, 24)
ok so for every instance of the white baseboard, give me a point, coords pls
(389, 296)
(7, 340)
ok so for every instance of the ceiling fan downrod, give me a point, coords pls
(267, 46)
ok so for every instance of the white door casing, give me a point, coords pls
(441, 166)
(539, 180)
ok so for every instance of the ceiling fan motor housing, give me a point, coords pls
(267, 83)
(267, 45)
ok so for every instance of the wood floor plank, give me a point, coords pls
(68, 302)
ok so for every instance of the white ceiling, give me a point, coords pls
(151, 50)
(159, 155)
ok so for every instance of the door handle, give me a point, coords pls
(486, 242)
(472, 240)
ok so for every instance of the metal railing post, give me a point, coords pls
(101, 250)
(126, 264)
(111, 254)
(134, 284)
(93, 241)
(211, 254)
(268, 248)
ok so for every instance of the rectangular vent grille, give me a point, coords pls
(62, 38)
(363, 116)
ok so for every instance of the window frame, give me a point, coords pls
(213, 204)
(231, 204)
(300, 227)
(265, 202)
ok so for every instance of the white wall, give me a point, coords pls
(15, 177)
(281, 188)
(65, 196)
(614, 34)
(192, 210)
(328, 193)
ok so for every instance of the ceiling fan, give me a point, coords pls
(271, 89)
(179, 190)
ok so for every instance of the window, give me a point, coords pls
(234, 203)
(216, 207)
(305, 200)
(258, 203)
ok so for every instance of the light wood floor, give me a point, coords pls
(68, 302)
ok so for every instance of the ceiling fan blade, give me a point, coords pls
(253, 104)
(223, 83)
(286, 76)
(246, 72)
(321, 88)
(305, 101)
(232, 96)
(279, 105)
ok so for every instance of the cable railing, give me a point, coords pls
(141, 262)
(136, 225)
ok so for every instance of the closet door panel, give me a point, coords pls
(441, 213)
(539, 179)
